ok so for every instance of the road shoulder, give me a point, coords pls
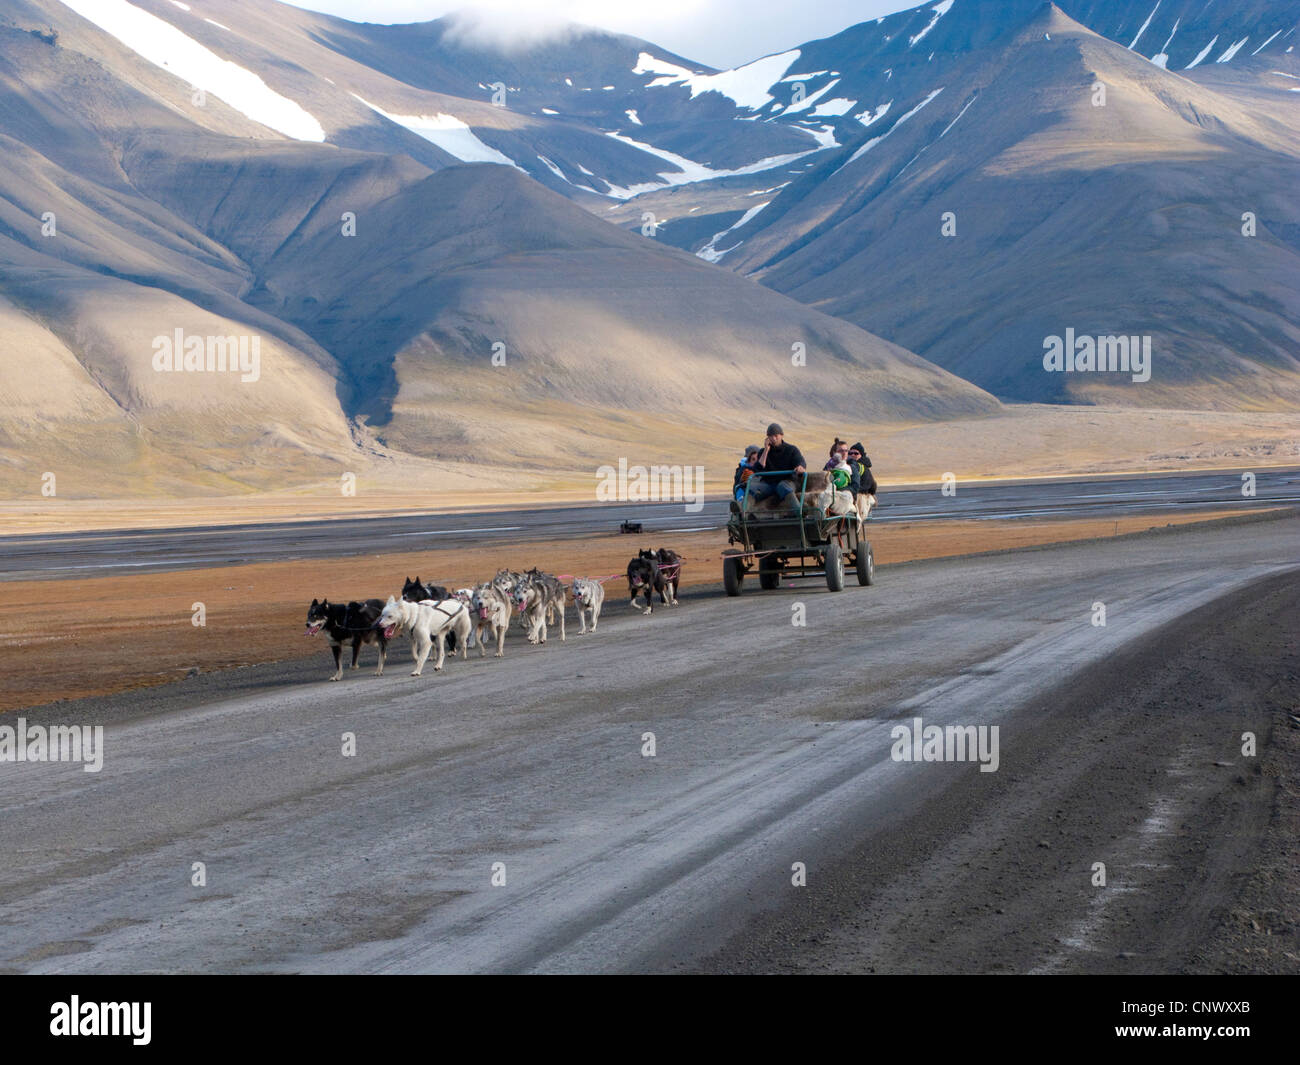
(1140, 768)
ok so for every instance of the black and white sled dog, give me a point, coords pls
(643, 579)
(670, 573)
(353, 622)
(654, 571)
(491, 616)
(588, 597)
(539, 597)
(426, 623)
(417, 591)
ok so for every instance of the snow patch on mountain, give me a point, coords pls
(710, 252)
(1227, 56)
(1202, 54)
(959, 114)
(938, 11)
(946, 128)
(1144, 26)
(876, 140)
(450, 134)
(808, 101)
(688, 170)
(1265, 44)
(745, 86)
(868, 117)
(165, 46)
(1161, 58)
(834, 108)
(554, 169)
(825, 136)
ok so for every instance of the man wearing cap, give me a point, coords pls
(779, 456)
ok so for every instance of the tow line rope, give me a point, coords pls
(672, 570)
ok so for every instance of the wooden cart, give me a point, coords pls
(804, 543)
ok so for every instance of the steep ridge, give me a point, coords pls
(1111, 214)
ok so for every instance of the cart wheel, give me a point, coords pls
(834, 568)
(866, 563)
(769, 573)
(732, 576)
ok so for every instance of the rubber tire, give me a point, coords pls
(834, 568)
(769, 576)
(866, 563)
(732, 576)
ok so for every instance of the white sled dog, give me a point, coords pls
(491, 609)
(588, 595)
(427, 623)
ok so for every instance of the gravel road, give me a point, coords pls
(772, 747)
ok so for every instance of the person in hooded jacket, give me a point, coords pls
(859, 461)
(744, 471)
(843, 472)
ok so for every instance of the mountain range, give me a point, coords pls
(463, 259)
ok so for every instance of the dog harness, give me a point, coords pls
(459, 607)
(347, 613)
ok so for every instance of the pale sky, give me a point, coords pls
(719, 33)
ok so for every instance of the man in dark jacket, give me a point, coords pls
(777, 456)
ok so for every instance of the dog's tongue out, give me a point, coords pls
(388, 632)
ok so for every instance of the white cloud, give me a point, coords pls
(720, 33)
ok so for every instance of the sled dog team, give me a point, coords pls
(452, 620)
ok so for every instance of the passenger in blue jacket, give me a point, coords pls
(744, 471)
